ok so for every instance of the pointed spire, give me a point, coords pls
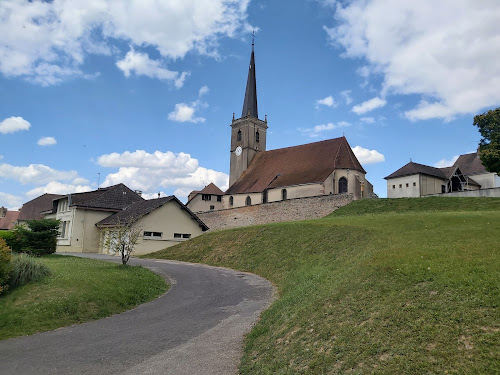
(250, 102)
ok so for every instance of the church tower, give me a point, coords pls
(248, 133)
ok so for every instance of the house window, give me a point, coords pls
(182, 235)
(148, 234)
(414, 184)
(248, 201)
(212, 207)
(400, 186)
(394, 186)
(283, 194)
(231, 200)
(257, 137)
(443, 189)
(342, 185)
(407, 185)
(264, 196)
(64, 229)
(219, 198)
(238, 137)
(206, 197)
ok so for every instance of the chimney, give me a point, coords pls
(138, 192)
(158, 195)
(3, 211)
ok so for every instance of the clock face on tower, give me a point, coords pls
(238, 151)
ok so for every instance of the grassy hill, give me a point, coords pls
(382, 286)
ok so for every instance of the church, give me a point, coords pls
(259, 176)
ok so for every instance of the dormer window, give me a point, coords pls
(238, 137)
(257, 137)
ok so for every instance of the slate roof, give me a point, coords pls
(8, 221)
(114, 198)
(470, 164)
(250, 101)
(138, 209)
(304, 164)
(32, 210)
(414, 168)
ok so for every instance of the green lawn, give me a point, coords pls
(78, 290)
(406, 286)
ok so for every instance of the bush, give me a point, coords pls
(5, 265)
(26, 269)
(40, 238)
(12, 239)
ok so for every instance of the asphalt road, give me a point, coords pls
(197, 327)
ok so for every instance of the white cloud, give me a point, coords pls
(48, 42)
(366, 156)
(346, 94)
(55, 187)
(369, 105)
(186, 113)
(80, 181)
(203, 91)
(12, 202)
(328, 101)
(446, 163)
(36, 174)
(13, 124)
(318, 129)
(443, 51)
(141, 64)
(149, 172)
(47, 141)
(367, 120)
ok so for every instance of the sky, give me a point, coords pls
(142, 92)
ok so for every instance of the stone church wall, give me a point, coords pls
(289, 210)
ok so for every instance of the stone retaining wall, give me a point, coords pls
(289, 210)
(491, 192)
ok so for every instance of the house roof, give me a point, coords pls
(211, 188)
(32, 210)
(9, 220)
(470, 164)
(115, 197)
(138, 209)
(414, 168)
(304, 164)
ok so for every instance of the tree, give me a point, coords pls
(489, 146)
(122, 238)
(5, 265)
(39, 238)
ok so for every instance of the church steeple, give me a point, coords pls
(250, 102)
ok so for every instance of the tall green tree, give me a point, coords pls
(489, 146)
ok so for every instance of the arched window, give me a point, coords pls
(257, 137)
(238, 137)
(248, 201)
(342, 185)
(283, 194)
(264, 196)
(231, 200)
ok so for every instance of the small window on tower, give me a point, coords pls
(238, 138)
(257, 137)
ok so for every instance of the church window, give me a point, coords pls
(248, 201)
(264, 196)
(342, 185)
(231, 200)
(257, 137)
(283, 194)
(238, 137)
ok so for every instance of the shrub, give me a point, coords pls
(12, 239)
(26, 269)
(40, 238)
(5, 265)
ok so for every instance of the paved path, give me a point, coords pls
(197, 327)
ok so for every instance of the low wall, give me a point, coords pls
(493, 192)
(289, 210)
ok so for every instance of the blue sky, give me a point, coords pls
(143, 92)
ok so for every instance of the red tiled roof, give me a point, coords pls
(304, 164)
(211, 189)
(8, 221)
(31, 210)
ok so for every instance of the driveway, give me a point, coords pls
(197, 327)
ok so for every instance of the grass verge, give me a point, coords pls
(384, 286)
(78, 290)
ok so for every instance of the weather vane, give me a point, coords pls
(253, 37)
